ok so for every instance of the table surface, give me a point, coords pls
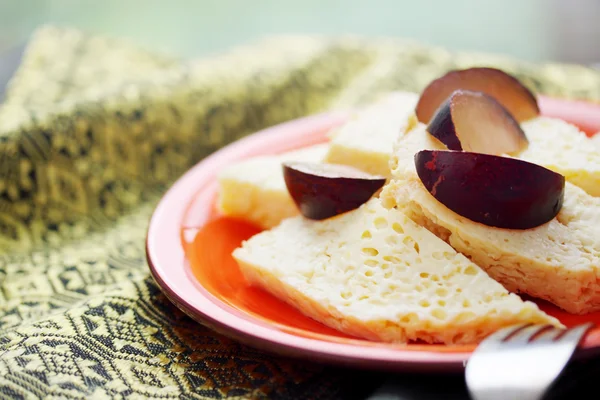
(529, 29)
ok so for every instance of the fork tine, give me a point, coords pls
(525, 335)
(576, 333)
(495, 340)
(549, 334)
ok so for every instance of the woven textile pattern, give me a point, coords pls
(93, 130)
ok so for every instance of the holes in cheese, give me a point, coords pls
(365, 286)
(557, 261)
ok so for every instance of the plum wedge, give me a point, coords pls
(496, 191)
(475, 122)
(322, 190)
(506, 89)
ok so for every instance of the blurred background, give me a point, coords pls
(536, 30)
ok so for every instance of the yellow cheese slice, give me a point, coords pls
(254, 189)
(375, 274)
(365, 142)
(558, 261)
(562, 147)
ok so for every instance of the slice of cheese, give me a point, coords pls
(558, 261)
(254, 189)
(562, 147)
(375, 274)
(366, 141)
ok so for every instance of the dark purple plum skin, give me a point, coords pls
(442, 127)
(491, 81)
(496, 191)
(319, 197)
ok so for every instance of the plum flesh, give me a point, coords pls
(476, 122)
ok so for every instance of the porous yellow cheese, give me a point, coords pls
(254, 189)
(375, 274)
(562, 147)
(366, 141)
(558, 261)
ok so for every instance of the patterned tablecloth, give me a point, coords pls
(92, 131)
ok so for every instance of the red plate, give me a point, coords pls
(189, 252)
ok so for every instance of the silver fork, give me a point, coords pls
(521, 362)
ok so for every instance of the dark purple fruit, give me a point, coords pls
(323, 190)
(496, 191)
(506, 89)
(476, 122)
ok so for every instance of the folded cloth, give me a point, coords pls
(92, 131)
